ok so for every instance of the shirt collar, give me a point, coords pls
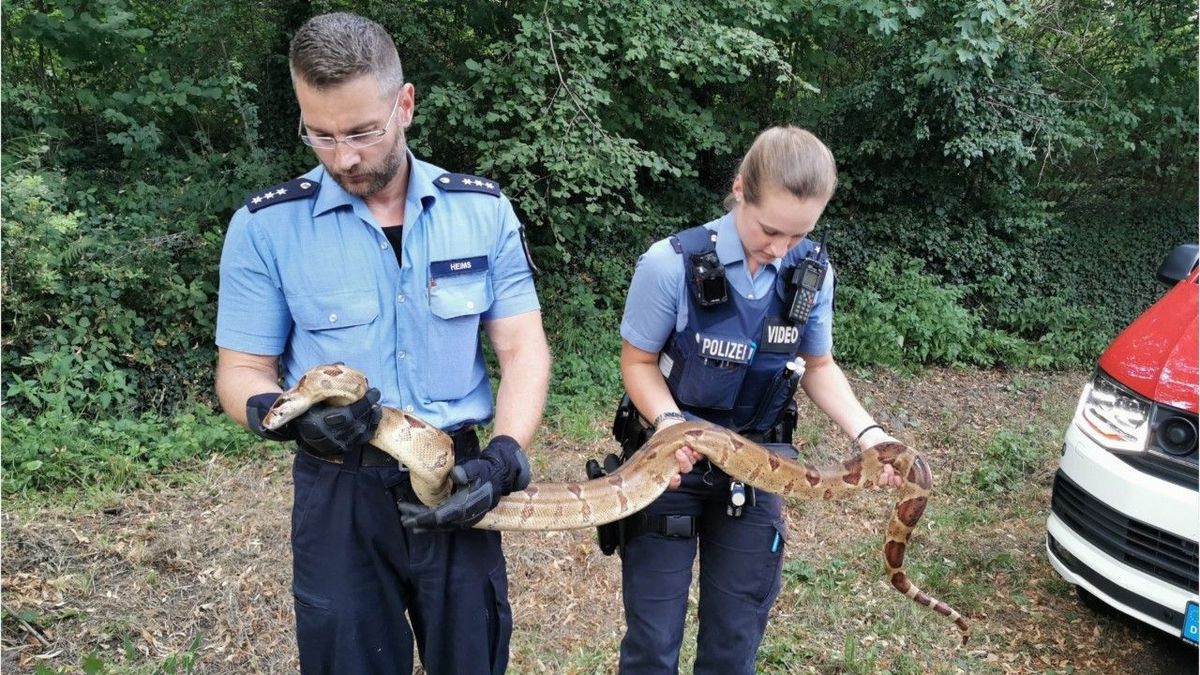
(331, 195)
(421, 191)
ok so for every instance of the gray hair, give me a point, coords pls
(332, 49)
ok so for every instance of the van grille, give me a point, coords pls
(1149, 549)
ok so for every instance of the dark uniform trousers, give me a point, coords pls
(357, 572)
(741, 564)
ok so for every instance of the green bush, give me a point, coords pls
(1010, 458)
(584, 331)
(899, 316)
(59, 450)
(1038, 162)
(110, 294)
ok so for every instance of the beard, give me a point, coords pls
(370, 181)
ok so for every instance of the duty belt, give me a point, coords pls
(466, 446)
(669, 525)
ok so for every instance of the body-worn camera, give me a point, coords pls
(708, 279)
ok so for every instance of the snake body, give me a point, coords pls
(428, 453)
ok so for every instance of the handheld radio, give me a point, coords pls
(806, 279)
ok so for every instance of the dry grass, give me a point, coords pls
(143, 577)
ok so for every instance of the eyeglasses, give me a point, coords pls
(356, 141)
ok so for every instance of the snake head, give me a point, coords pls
(335, 384)
(290, 405)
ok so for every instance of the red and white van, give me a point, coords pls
(1125, 512)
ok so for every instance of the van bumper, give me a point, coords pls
(1127, 538)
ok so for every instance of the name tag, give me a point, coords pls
(445, 268)
(724, 349)
(780, 336)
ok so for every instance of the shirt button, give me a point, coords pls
(383, 245)
(470, 305)
(333, 318)
(408, 408)
(401, 355)
(400, 298)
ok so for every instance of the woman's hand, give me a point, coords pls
(686, 456)
(869, 440)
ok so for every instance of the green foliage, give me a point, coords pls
(1009, 459)
(1037, 160)
(1105, 261)
(61, 450)
(586, 345)
(901, 317)
(601, 124)
(109, 304)
(1126, 76)
(94, 77)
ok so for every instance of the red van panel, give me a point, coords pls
(1157, 354)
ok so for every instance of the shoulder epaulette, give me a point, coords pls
(284, 192)
(461, 182)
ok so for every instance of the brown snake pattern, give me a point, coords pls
(428, 454)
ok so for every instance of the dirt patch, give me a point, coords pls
(202, 570)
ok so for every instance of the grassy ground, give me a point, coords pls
(195, 575)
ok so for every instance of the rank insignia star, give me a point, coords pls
(459, 182)
(284, 192)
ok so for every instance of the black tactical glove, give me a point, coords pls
(337, 429)
(502, 468)
(257, 407)
(326, 429)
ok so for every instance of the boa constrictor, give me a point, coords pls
(428, 453)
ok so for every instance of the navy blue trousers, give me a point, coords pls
(365, 587)
(741, 564)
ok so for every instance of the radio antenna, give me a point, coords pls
(821, 246)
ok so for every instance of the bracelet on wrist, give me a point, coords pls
(668, 415)
(864, 431)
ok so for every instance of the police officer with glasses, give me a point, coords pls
(391, 265)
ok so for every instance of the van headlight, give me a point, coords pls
(1113, 416)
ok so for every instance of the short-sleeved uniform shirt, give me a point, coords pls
(315, 280)
(656, 305)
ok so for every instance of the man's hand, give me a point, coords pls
(336, 429)
(479, 484)
(257, 407)
(327, 429)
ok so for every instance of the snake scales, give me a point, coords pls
(429, 455)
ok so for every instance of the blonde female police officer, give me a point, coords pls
(391, 265)
(731, 360)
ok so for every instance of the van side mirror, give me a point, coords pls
(1178, 264)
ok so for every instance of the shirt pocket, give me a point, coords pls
(452, 364)
(339, 323)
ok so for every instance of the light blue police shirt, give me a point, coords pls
(315, 280)
(656, 305)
